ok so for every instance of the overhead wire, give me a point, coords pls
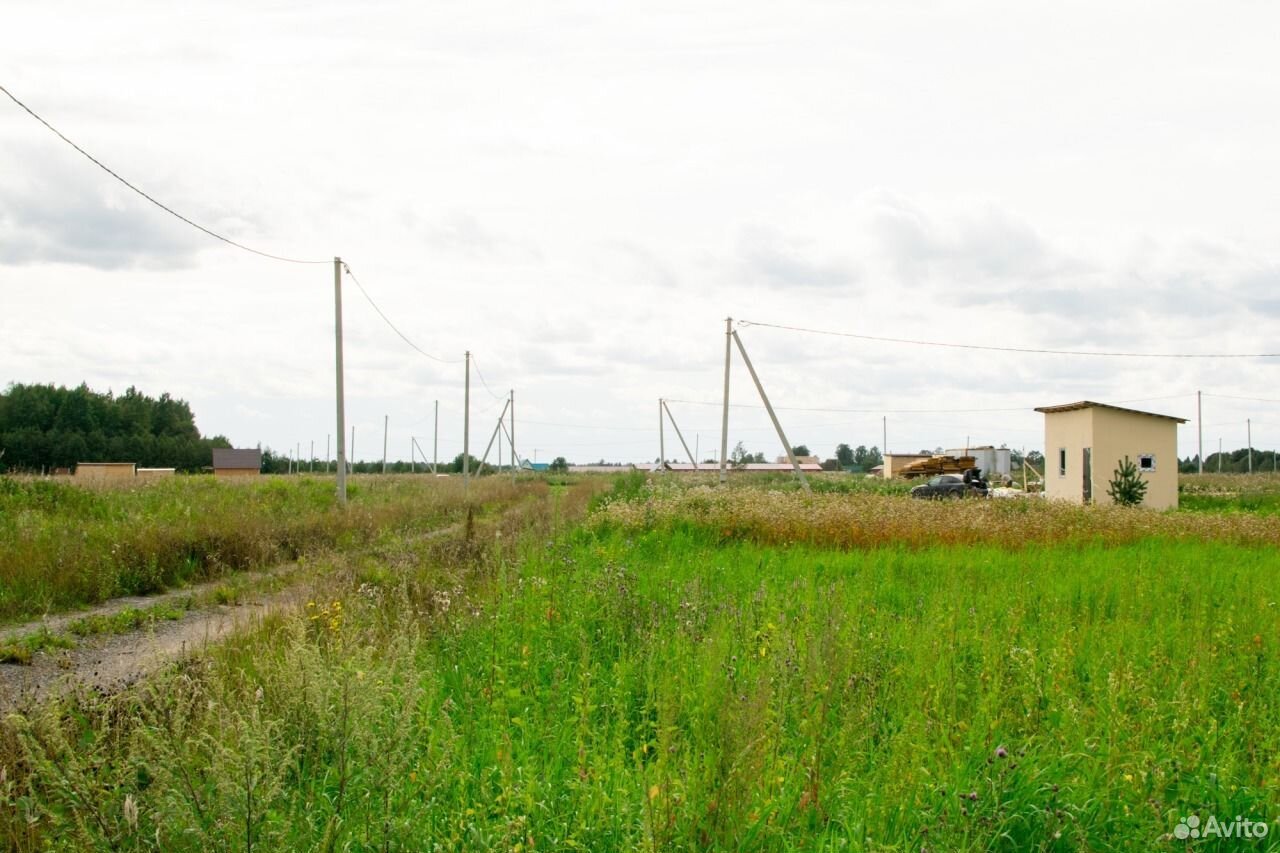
(104, 167)
(392, 325)
(904, 411)
(997, 348)
(476, 365)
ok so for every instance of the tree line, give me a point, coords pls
(43, 427)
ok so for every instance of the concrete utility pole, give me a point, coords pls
(1199, 434)
(328, 459)
(386, 419)
(884, 437)
(662, 440)
(1248, 427)
(515, 468)
(413, 457)
(1219, 455)
(496, 427)
(724, 415)
(342, 411)
(679, 435)
(795, 464)
(435, 443)
(466, 426)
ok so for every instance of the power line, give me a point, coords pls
(482, 382)
(150, 198)
(904, 411)
(1234, 397)
(994, 348)
(387, 320)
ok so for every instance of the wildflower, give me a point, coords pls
(973, 795)
(1001, 752)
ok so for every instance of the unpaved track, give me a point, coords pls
(110, 662)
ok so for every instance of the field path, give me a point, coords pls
(109, 662)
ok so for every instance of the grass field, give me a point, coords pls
(693, 670)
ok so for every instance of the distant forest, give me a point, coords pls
(43, 427)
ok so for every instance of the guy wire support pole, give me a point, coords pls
(795, 464)
(386, 419)
(494, 435)
(662, 440)
(435, 443)
(724, 417)
(466, 426)
(342, 415)
(1199, 435)
(680, 436)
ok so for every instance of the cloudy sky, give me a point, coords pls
(580, 193)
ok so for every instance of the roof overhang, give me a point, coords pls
(1089, 404)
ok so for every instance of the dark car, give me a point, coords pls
(951, 486)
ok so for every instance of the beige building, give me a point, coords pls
(228, 462)
(895, 462)
(105, 471)
(1085, 442)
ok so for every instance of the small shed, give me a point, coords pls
(234, 462)
(1085, 442)
(104, 471)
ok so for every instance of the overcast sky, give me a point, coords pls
(581, 192)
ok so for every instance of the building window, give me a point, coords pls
(1062, 462)
(1146, 462)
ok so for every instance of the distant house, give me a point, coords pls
(232, 462)
(687, 467)
(535, 467)
(803, 460)
(1085, 442)
(103, 471)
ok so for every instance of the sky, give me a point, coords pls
(580, 193)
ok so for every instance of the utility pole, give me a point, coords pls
(413, 458)
(1219, 454)
(342, 412)
(795, 464)
(1248, 427)
(386, 419)
(466, 426)
(724, 415)
(298, 466)
(435, 442)
(352, 463)
(328, 459)
(515, 468)
(662, 440)
(1199, 434)
(884, 437)
(697, 440)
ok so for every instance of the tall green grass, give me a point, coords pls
(615, 689)
(65, 545)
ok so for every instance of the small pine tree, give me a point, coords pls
(1127, 488)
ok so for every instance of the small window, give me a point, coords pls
(1146, 462)
(1062, 462)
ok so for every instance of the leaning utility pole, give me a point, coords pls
(466, 426)
(662, 440)
(1199, 435)
(795, 464)
(724, 415)
(679, 434)
(435, 442)
(386, 419)
(342, 414)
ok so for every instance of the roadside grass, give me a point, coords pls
(68, 546)
(612, 686)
